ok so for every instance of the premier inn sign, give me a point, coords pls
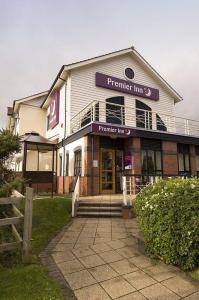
(124, 86)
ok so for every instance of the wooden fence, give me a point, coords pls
(23, 242)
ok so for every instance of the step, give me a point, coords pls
(98, 214)
(101, 204)
(100, 208)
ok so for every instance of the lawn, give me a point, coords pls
(195, 274)
(18, 281)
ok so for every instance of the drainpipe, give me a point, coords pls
(64, 150)
(92, 157)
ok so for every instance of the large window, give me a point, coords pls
(78, 163)
(151, 157)
(143, 115)
(115, 110)
(183, 159)
(197, 160)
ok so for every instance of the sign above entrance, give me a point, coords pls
(54, 110)
(113, 130)
(117, 84)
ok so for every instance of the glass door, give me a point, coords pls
(107, 171)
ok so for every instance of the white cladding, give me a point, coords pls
(57, 132)
(84, 91)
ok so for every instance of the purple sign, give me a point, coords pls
(113, 130)
(128, 87)
(54, 110)
(128, 160)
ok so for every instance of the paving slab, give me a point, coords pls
(100, 259)
(80, 279)
(93, 292)
(70, 266)
(117, 287)
(91, 261)
(123, 266)
(160, 272)
(139, 279)
(158, 292)
(181, 286)
(110, 256)
(102, 273)
(63, 256)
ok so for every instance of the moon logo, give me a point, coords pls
(53, 108)
(128, 132)
(147, 92)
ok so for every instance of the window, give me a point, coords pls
(129, 73)
(197, 159)
(67, 164)
(60, 165)
(143, 115)
(183, 159)
(151, 157)
(115, 110)
(78, 163)
(160, 123)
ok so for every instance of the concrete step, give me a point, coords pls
(98, 214)
(99, 208)
(101, 204)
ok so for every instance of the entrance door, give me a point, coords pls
(107, 171)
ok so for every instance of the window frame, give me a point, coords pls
(78, 162)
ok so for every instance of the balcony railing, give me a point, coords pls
(99, 111)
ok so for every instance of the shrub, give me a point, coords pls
(168, 213)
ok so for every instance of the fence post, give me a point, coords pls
(27, 232)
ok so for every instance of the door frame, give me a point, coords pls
(112, 191)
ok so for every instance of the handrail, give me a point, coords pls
(75, 196)
(134, 117)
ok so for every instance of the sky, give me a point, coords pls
(38, 36)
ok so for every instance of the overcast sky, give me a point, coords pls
(38, 36)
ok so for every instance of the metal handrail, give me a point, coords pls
(133, 117)
(75, 196)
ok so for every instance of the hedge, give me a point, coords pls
(168, 213)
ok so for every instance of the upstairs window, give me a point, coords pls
(143, 115)
(183, 159)
(160, 123)
(115, 110)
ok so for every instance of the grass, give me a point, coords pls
(18, 281)
(195, 274)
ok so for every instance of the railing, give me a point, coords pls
(105, 112)
(133, 184)
(16, 219)
(75, 196)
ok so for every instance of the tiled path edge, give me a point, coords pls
(53, 270)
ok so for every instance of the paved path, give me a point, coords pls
(101, 259)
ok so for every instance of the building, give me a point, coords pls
(106, 117)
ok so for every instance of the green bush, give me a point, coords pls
(168, 213)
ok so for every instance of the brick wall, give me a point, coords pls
(170, 158)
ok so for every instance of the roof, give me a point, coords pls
(35, 141)
(65, 69)
(17, 102)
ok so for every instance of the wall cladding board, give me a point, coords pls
(84, 91)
